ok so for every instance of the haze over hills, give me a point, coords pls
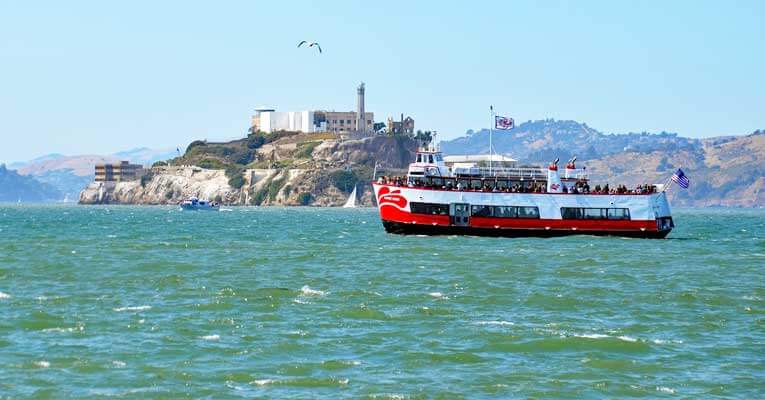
(724, 171)
(19, 188)
(69, 174)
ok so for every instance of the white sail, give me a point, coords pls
(351, 202)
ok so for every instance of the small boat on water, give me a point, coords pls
(351, 202)
(193, 203)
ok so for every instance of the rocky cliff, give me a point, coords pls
(296, 169)
(164, 185)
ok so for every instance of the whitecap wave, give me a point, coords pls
(500, 323)
(68, 330)
(118, 363)
(133, 308)
(665, 341)
(307, 291)
(437, 295)
(210, 337)
(665, 389)
(624, 338)
(4, 295)
(264, 382)
(41, 364)
(592, 336)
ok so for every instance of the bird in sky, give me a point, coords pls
(310, 44)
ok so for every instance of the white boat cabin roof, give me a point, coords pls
(476, 158)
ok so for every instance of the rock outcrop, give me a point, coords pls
(164, 185)
(309, 172)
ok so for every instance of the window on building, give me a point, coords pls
(349, 121)
(342, 121)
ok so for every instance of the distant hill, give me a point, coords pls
(724, 171)
(15, 187)
(546, 139)
(69, 174)
(145, 155)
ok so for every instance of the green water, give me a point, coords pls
(150, 302)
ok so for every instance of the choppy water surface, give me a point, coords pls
(151, 302)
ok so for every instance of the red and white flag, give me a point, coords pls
(503, 123)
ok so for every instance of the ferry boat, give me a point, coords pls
(517, 201)
(193, 203)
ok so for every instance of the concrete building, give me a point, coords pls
(119, 172)
(405, 125)
(269, 120)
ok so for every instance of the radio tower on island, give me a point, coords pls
(361, 125)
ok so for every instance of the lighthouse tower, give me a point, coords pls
(361, 125)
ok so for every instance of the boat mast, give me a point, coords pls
(491, 131)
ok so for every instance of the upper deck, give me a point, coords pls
(431, 163)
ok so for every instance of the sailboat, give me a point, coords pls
(351, 202)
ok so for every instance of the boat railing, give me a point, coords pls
(514, 172)
(579, 173)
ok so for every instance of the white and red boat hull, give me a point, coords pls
(648, 215)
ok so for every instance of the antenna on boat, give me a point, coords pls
(491, 131)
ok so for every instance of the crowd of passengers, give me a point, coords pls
(581, 187)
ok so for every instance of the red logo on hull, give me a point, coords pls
(387, 197)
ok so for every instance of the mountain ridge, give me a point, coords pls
(724, 170)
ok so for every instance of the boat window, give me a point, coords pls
(429, 208)
(528, 212)
(504, 211)
(430, 159)
(595, 213)
(618, 213)
(481, 211)
(419, 157)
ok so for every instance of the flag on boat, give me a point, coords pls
(503, 123)
(680, 178)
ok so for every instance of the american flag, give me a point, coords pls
(680, 178)
(503, 123)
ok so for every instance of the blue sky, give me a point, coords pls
(98, 77)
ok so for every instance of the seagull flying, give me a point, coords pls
(310, 44)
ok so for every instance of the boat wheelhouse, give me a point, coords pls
(194, 204)
(515, 200)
